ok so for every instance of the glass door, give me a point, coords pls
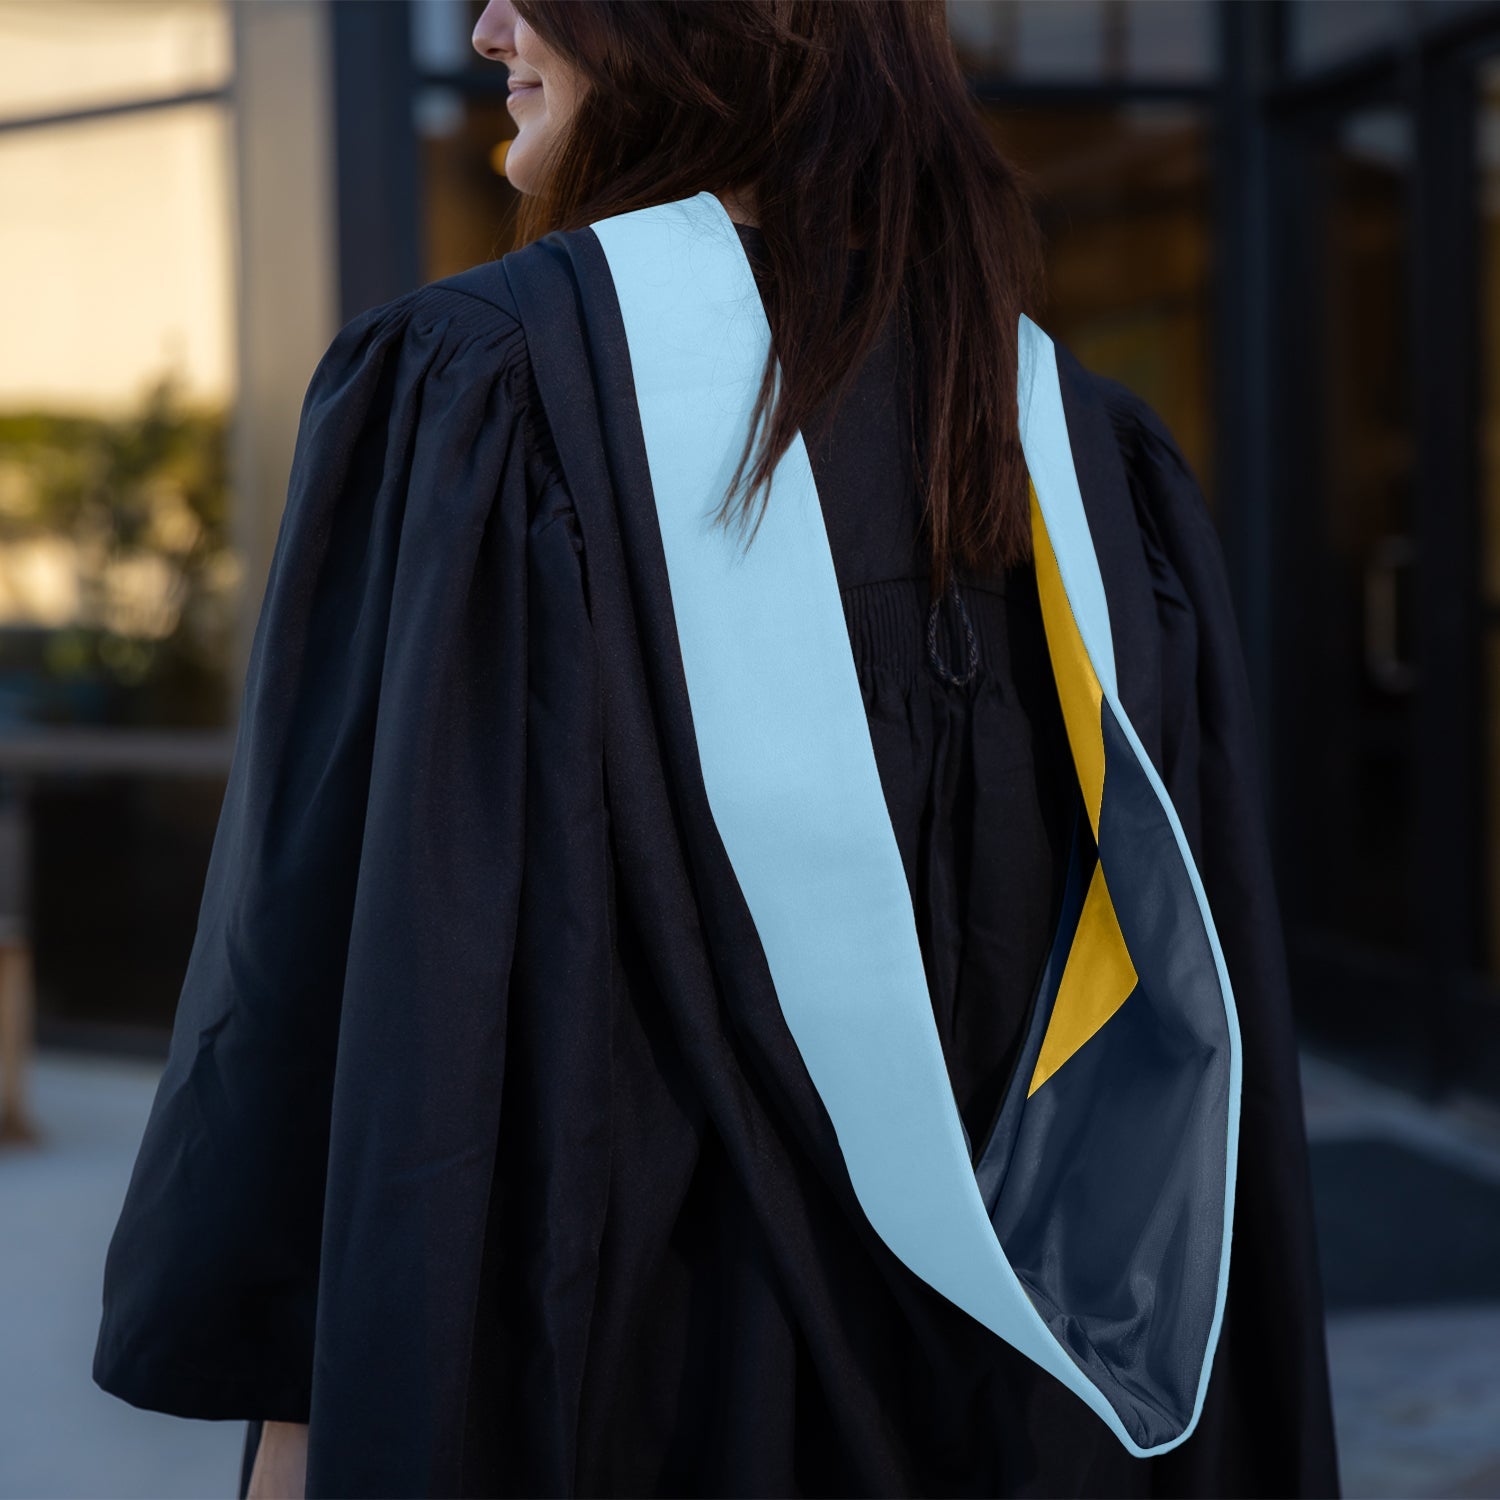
(1351, 691)
(1388, 618)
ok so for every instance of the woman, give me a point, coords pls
(500, 1150)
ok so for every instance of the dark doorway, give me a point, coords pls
(1384, 747)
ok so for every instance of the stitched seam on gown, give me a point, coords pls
(500, 318)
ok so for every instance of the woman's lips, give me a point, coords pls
(517, 90)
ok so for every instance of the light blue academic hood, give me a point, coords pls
(1093, 1232)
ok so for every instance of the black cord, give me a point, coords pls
(938, 665)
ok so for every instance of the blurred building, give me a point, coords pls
(1278, 221)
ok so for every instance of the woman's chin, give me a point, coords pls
(520, 166)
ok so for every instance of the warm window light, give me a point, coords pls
(497, 156)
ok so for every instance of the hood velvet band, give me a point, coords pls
(1092, 1231)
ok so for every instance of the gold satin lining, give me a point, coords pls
(1097, 980)
(1077, 685)
(1099, 975)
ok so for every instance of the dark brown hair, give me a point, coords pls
(835, 120)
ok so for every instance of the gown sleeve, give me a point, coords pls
(344, 996)
(1271, 1374)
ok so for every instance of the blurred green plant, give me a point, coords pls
(118, 581)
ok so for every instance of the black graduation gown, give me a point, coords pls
(483, 1144)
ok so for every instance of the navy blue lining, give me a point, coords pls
(1127, 1137)
(993, 1159)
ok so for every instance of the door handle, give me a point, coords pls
(1388, 669)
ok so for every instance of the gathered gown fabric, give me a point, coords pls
(463, 1153)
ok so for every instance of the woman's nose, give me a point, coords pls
(495, 30)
